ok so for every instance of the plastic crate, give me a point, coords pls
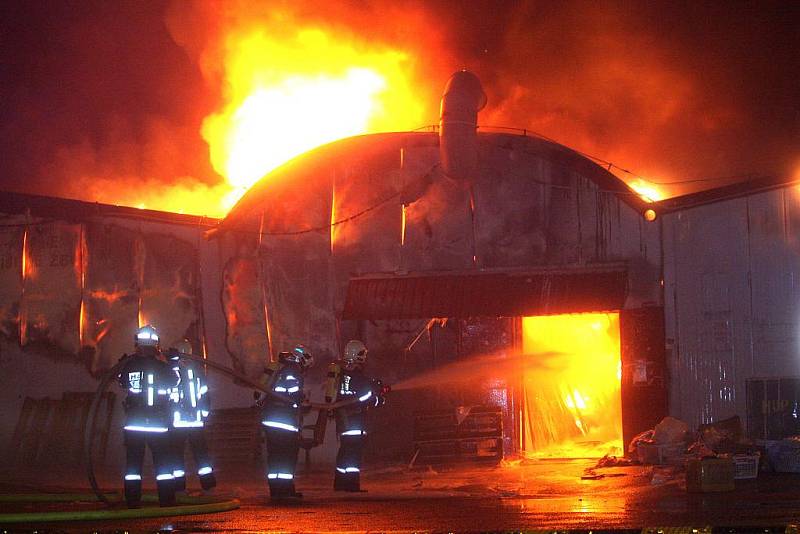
(745, 466)
(784, 455)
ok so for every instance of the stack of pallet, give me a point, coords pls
(234, 436)
(466, 433)
(51, 431)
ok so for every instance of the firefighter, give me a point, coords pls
(282, 419)
(347, 381)
(148, 379)
(190, 409)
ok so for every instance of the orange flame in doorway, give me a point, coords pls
(573, 408)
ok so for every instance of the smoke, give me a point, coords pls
(106, 100)
(674, 93)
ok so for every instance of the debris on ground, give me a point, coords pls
(662, 476)
(590, 474)
(670, 431)
(613, 461)
(723, 436)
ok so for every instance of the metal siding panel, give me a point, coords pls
(711, 274)
(774, 309)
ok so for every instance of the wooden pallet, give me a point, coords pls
(51, 431)
(234, 436)
(474, 434)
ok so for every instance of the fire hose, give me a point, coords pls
(114, 372)
(187, 505)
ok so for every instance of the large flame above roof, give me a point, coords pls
(286, 96)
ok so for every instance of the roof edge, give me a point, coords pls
(79, 210)
(720, 194)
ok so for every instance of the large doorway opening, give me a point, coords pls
(571, 396)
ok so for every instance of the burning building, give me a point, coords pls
(443, 246)
(485, 269)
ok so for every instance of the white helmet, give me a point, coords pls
(146, 336)
(303, 356)
(299, 355)
(184, 346)
(355, 352)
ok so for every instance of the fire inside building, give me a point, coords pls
(520, 299)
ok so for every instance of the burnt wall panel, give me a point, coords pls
(637, 242)
(10, 276)
(169, 293)
(510, 209)
(372, 242)
(246, 334)
(50, 307)
(111, 294)
(439, 228)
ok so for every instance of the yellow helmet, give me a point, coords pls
(355, 352)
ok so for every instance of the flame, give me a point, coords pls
(574, 409)
(333, 216)
(81, 322)
(108, 296)
(102, 333)
(647, 190)
(140, 315)
(28, 267)
(403, 226)
(288, 94)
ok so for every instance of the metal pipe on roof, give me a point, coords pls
(462, 99)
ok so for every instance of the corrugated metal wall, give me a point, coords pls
(731, 295)
(534, 204)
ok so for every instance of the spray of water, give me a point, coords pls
(497, 366)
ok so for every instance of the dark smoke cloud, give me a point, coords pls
(96, 89)
(675, 91)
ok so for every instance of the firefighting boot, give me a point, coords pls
(133, 493)
(347, 482)
(166, 492)
(208, 481)
(180, 481)
(281, 490)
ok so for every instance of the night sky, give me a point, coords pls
(674, 91)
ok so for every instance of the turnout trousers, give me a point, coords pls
(282, 448)
(348, 463)
(136, 442)
(196, 439)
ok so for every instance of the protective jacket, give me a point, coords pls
(149, 382)
(191, 403)
(284, 379)
(346, 384)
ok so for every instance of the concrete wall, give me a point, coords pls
(731, 294)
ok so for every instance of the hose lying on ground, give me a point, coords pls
(188, 506)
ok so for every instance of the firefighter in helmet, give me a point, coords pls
(347, 382)
(282, 417)
(148, 380)
(190, 409)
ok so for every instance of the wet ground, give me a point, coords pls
(534, 494)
